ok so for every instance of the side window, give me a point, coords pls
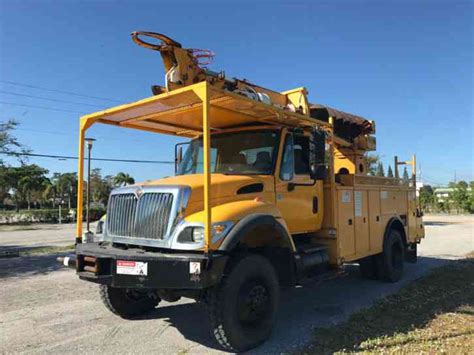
(301, 148)
(287, 169)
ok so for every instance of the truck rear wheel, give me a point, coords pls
(127, 303)
(242, 309)
(390, 262)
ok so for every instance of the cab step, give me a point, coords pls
(312, 259)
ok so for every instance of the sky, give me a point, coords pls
(408, 65)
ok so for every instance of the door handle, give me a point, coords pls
(315, 204)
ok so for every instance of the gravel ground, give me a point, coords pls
(37, 235)
(44, 308)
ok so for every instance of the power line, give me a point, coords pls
(60, 91)
(97, 159)
(48, 99)
(41, 107)
(64, 133)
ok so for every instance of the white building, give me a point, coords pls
(442, 193)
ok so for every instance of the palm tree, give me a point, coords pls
(68, 183)
(49, 193)
(123, 179)
(31, 179)
(65, 186)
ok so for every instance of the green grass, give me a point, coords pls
(434, 314)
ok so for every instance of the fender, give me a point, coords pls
(394, 222)
(247, 224)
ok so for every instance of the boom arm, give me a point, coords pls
(184, 67)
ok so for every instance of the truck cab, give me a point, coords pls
(254, 170)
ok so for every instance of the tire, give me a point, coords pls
(127, 303)
(242, 309)
(368, 268)
(390, 262)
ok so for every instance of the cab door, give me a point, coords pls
(301, 206)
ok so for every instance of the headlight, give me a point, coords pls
(196, 234)
(191, 235)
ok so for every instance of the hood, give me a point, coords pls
(221, 185)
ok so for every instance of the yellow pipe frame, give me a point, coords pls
(84, 124)
(202, 91)
(332, 180)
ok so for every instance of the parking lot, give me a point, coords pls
(46, 308)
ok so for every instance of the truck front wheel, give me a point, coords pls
(243, 307)
(127, 303)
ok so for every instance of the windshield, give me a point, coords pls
(237, 153)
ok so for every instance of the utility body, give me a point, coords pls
(269, 190)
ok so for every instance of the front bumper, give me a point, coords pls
(97, 262)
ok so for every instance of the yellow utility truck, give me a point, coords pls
(269, 190)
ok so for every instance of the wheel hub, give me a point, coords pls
(253, 305)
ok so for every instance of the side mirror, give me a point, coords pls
(178, 155)
(318, 172)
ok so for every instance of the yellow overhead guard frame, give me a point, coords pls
(191, 111)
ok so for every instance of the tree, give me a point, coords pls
(4, 184)
(380, 171)
(471, 197)
(123, 179)
(65, 186)
(30, 179)
(100, 187)
(459, 196)
(427, 197)
(390, 172)
(49, 193)
(405, 174)
(372, 161)
(8, 143)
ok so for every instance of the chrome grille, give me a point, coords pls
(145, 217)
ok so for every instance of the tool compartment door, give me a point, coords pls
(411, 213)
(375, 222)
(345, 221)
(361, 219)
